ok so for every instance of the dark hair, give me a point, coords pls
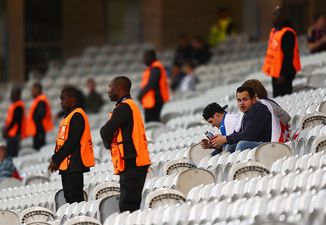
(247, 89)
(257, 86)
(124, 82)
(150, 54)
(189, 63)
(38, 86)
(317, 16)
(73, 93)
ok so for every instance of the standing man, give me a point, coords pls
(256, 124)
(15, 127)
(154, 87)
(94, 100)
(282, 59)
(74, 149)
(39, 117)
(226, 122)
(124, 134)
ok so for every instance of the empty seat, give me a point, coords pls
(177, 166)
(106, 189)
(36, 179)
(108, 206)
(82, 220)
(319, 144)
(268, 153)
(249, 169)
(313, 119)
(197, 153)
(8, 218)
(163, 197)
(190, 178)
(36, 214)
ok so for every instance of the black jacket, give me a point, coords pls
(256, 125)
(121, 118)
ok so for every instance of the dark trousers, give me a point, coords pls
(154, 113)
(13, 146)
(131, 186)
(38, 140)
(73, 184)
(282, 89)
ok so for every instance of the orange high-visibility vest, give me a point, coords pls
(274, 56)
(148, 100)
(86, 145)
(47, 120)
(138, 138)
(10, 114)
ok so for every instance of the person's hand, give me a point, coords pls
(53, 167)
(218, 141)
(205, 143)
(4, 133)
(280, 80)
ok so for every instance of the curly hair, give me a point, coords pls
(257, 86)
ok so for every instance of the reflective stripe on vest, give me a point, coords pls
(148, 100)
(138, 138)
(47, 120)
(10, 116)
(86, 146)
(274, 56)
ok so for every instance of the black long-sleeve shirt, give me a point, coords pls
(256, 126)
(38, 116)
(121, 118)
(153, 84)
(288, 43)
(17, 119)
(72, 145)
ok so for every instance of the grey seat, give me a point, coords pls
(8, 217)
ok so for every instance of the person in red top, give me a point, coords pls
(15, 126)
(39, 117)
(154, 87)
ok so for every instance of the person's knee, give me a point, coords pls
(242, 145)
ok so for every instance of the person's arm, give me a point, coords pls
(18, 114)
(119, 117)
(255, 124)
(152, 83)
(39, 114)
(288, 42)
(76, 130)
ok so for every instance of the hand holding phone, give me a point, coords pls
(209, 135)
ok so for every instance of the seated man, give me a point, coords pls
(7, 168)
(225, 121)
(256, 125)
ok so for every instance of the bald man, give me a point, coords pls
(124, 135)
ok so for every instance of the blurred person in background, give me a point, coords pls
(188, 83)
(317, 34)
(39, 117)
(201, 53)
(154, 87)
(94, 100)
(7, 167)
(176, 76)
(73, 154)
(184, 49)
(15, 125)
(282, 60)
(222, 28)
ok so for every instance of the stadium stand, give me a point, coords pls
(271, 184)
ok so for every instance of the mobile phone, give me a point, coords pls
(209, 135)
